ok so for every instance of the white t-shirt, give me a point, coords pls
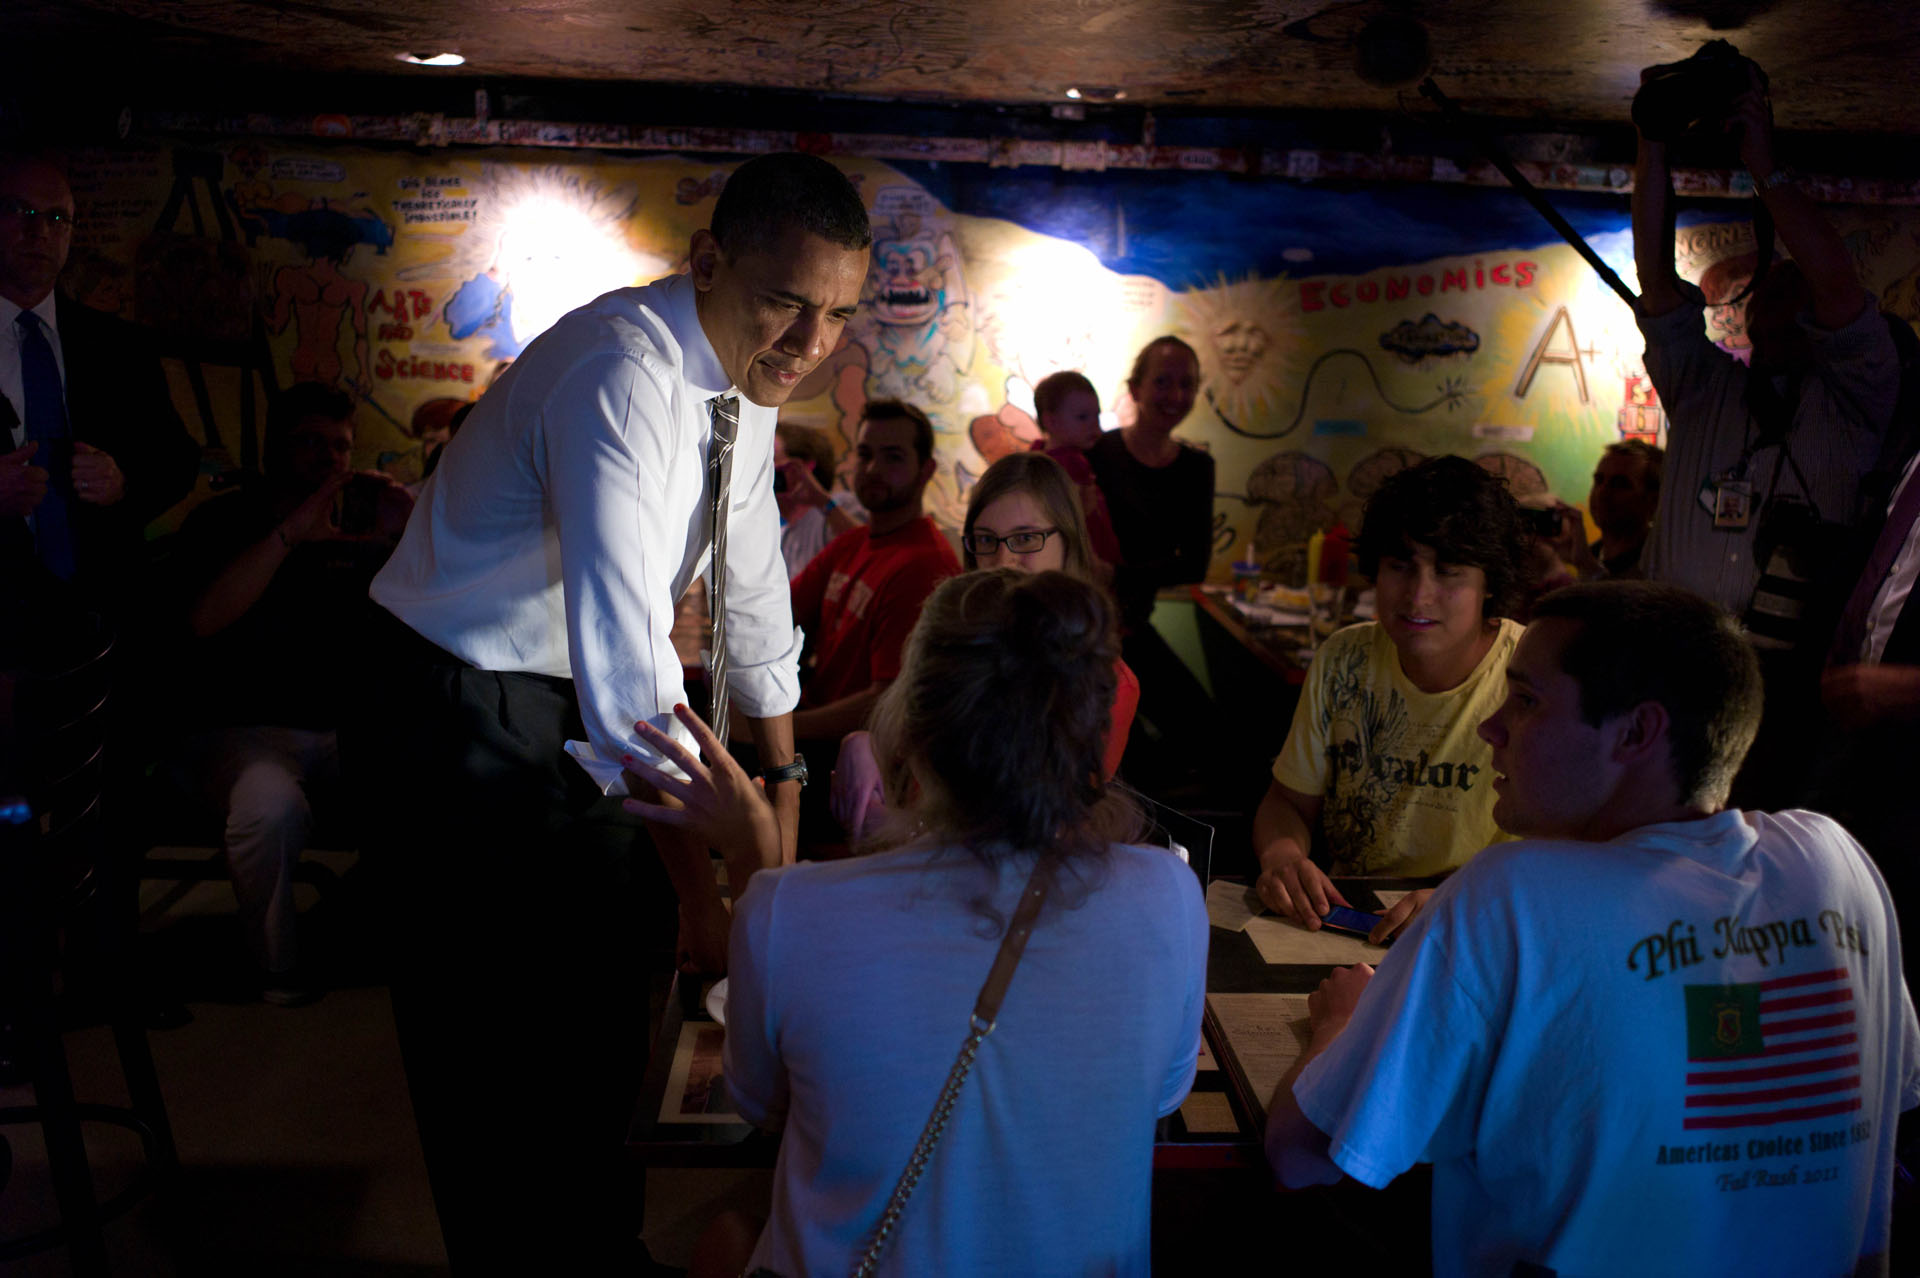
(1682, 1052)
(851, 987)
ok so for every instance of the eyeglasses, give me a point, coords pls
(56, 219)
(1025, 542)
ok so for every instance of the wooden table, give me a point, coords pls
(1282, 650)
(689, 1038)
(1214, 1206)
(711, 1140)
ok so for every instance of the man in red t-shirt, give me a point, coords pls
(859, 598)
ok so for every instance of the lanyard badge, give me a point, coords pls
(1729, 499)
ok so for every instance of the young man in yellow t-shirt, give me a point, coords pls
(1383, 751)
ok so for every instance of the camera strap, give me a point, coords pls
(1528, 191)
(1763, 228)
(1772, 416)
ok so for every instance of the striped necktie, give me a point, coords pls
(726, 425)
(47, 422)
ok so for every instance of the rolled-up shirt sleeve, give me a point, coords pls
(614, 441)
(608, 450)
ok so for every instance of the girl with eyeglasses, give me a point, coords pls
(1022, 514)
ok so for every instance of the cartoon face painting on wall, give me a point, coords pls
(921, 331)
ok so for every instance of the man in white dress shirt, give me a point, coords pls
(526, 622)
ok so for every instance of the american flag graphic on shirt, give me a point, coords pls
(1778, 1051)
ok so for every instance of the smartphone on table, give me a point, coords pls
(1354, 922)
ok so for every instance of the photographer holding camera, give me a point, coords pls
(277, 575)
(1764, 462)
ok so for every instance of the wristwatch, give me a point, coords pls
(795, 771)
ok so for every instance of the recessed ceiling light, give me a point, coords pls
(432, 59)
(1074, 94)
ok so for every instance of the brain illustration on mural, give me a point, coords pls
(1365, 478)
(1296, 494)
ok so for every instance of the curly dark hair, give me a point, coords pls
(1701, 670)
(1463, 513)
(771, 193)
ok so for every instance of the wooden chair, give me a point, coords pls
(66, 928)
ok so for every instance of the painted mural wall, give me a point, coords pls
(1344, 331)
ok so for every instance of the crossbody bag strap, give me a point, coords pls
(986, 1009)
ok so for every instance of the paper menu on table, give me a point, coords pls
(1266, 1034)
(1284, 941)
(1231, 905)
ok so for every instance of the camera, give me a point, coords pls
(1541, 522)
(359, 509)
(1793, 605)
(1694, 95)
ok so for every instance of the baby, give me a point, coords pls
(1069, 411)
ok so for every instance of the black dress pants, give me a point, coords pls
(523, 911)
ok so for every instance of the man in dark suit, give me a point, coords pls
(94, 449)
(91, 450)
(1872, 693)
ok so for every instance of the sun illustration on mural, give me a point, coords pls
(1249, 330)
(542, 241)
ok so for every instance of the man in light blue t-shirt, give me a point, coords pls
(1654, 1035)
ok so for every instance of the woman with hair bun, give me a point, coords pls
(852, 981)
(1024, 513)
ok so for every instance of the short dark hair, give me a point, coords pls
(771, 194)
(887, 410)
(993, 781)
(1464, 512)
(804, 443)
(299, 402)
(1643, 641)
(1146, 353)
(1046, 480)
(1652, 454)
(1054, 389)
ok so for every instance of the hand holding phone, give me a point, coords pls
(1340, 918)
